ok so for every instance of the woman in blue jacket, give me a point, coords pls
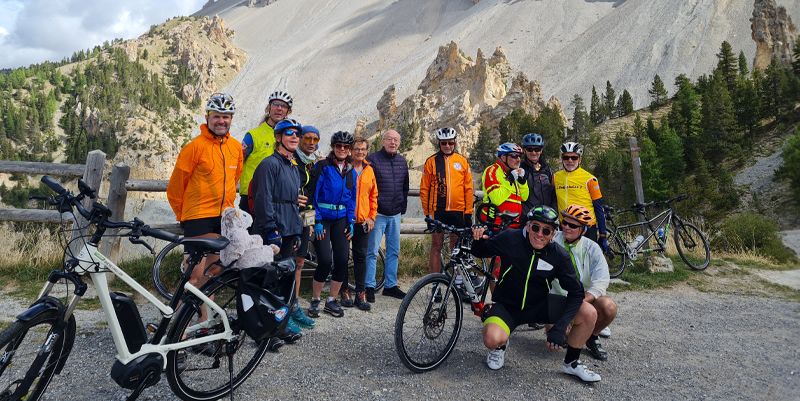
(335, 205)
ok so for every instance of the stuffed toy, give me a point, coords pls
(247, 250)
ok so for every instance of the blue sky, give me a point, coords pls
(33, 31)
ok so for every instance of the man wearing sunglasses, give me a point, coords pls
(505, 182)
(530, 263)
(576, 186)
(259, 142)
(592, 270)
(446, 192)
(540, 175)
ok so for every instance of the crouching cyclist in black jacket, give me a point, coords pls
(530, 262)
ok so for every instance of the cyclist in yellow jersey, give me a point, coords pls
(259, 142)
(576, 186)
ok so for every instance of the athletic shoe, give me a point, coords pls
(394, 292)
(290, 337)
(332, 308)
(370, 294)
(596, 349)
(275, 343)
(497, 356)
(361, 301)
(579, 370)
(605, 332)
(301, 320)
(313, 310)
(347, 299)
(290, 326)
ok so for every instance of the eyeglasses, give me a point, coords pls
(360, 150)
(513, 155)
(532, 149)
(290, 132)
(545, 230)
(311, 139)
(570, 225)
(342, 146)
(392, 140)
(280, 105)
(447, 143)
(573, 158)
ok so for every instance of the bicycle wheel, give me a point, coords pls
(167, 269)
(201, 372)
(21, 343)
(692, 246)
(616, 256)
(425, 330)
(380, 278)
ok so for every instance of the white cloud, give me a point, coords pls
(40, 30)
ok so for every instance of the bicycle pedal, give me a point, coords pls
(152, 327)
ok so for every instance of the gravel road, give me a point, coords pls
(667, 344)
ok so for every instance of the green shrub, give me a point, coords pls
(750, 231)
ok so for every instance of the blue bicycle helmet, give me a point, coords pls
(507, 148)
(287, 123)
(533, 140)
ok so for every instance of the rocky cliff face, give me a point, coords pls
(773, 32)
(464, 94)
(257, 3)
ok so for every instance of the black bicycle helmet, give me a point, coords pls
(342, 137)
(544, 214)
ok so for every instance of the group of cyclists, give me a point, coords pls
(352, 200)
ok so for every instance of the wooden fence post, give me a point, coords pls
(93, 175)
(637, 184)
(117, 197)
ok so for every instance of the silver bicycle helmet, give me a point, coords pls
(221, 103)
(282, 96)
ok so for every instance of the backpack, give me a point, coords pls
(264, 296)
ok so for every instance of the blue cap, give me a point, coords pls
(310, 128)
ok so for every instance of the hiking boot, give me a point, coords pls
(579, 370)
(301, 320)
(596, 349)
(370, 294)
(332, 308)
(290, 337)
(361, 301)
(497, 357)
(290, 326)
(313, 309)
(275, 343)
(605, 332)
(347, 299)
(394, 292)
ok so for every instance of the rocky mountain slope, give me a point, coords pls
(337, 57)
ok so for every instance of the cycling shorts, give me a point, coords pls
(451, 218)
(549, 311)
(198, 227)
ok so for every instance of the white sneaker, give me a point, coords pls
(605, 332)
(497, 357)
(579, 370)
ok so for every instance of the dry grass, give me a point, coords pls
(30, 250)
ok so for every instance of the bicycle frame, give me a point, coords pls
(91, 261)
(664, 219)
(462, 261)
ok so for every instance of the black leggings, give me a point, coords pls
(335, 238)
(360, 242)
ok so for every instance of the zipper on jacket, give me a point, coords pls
(527, 279)
(224, 175)
(449, 176)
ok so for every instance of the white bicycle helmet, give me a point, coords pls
(446, 133)
(507, 148)
(221, 103)
(282, 96)
(571, 147)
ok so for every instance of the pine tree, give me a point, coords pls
(549, 125)
(625, 104)
(790, 170)
(608, 102)
(727, 66)
(718, 123)
(595, 108)
(515, 125)
(744, 72)
(747, 106)
(484, 151)
(658, 93)
(796, 62)
(581, 122)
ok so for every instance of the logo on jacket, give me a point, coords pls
(457, 166)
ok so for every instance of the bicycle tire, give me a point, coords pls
(203, 375)
(688, 241)
(380, 276)
(166, 271)
(423, 346)
(615, 256)
(21, 343)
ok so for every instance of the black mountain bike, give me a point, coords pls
(625, 242)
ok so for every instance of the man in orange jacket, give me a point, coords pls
(203, 183)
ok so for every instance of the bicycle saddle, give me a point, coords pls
(209, 242)
(508, 216)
